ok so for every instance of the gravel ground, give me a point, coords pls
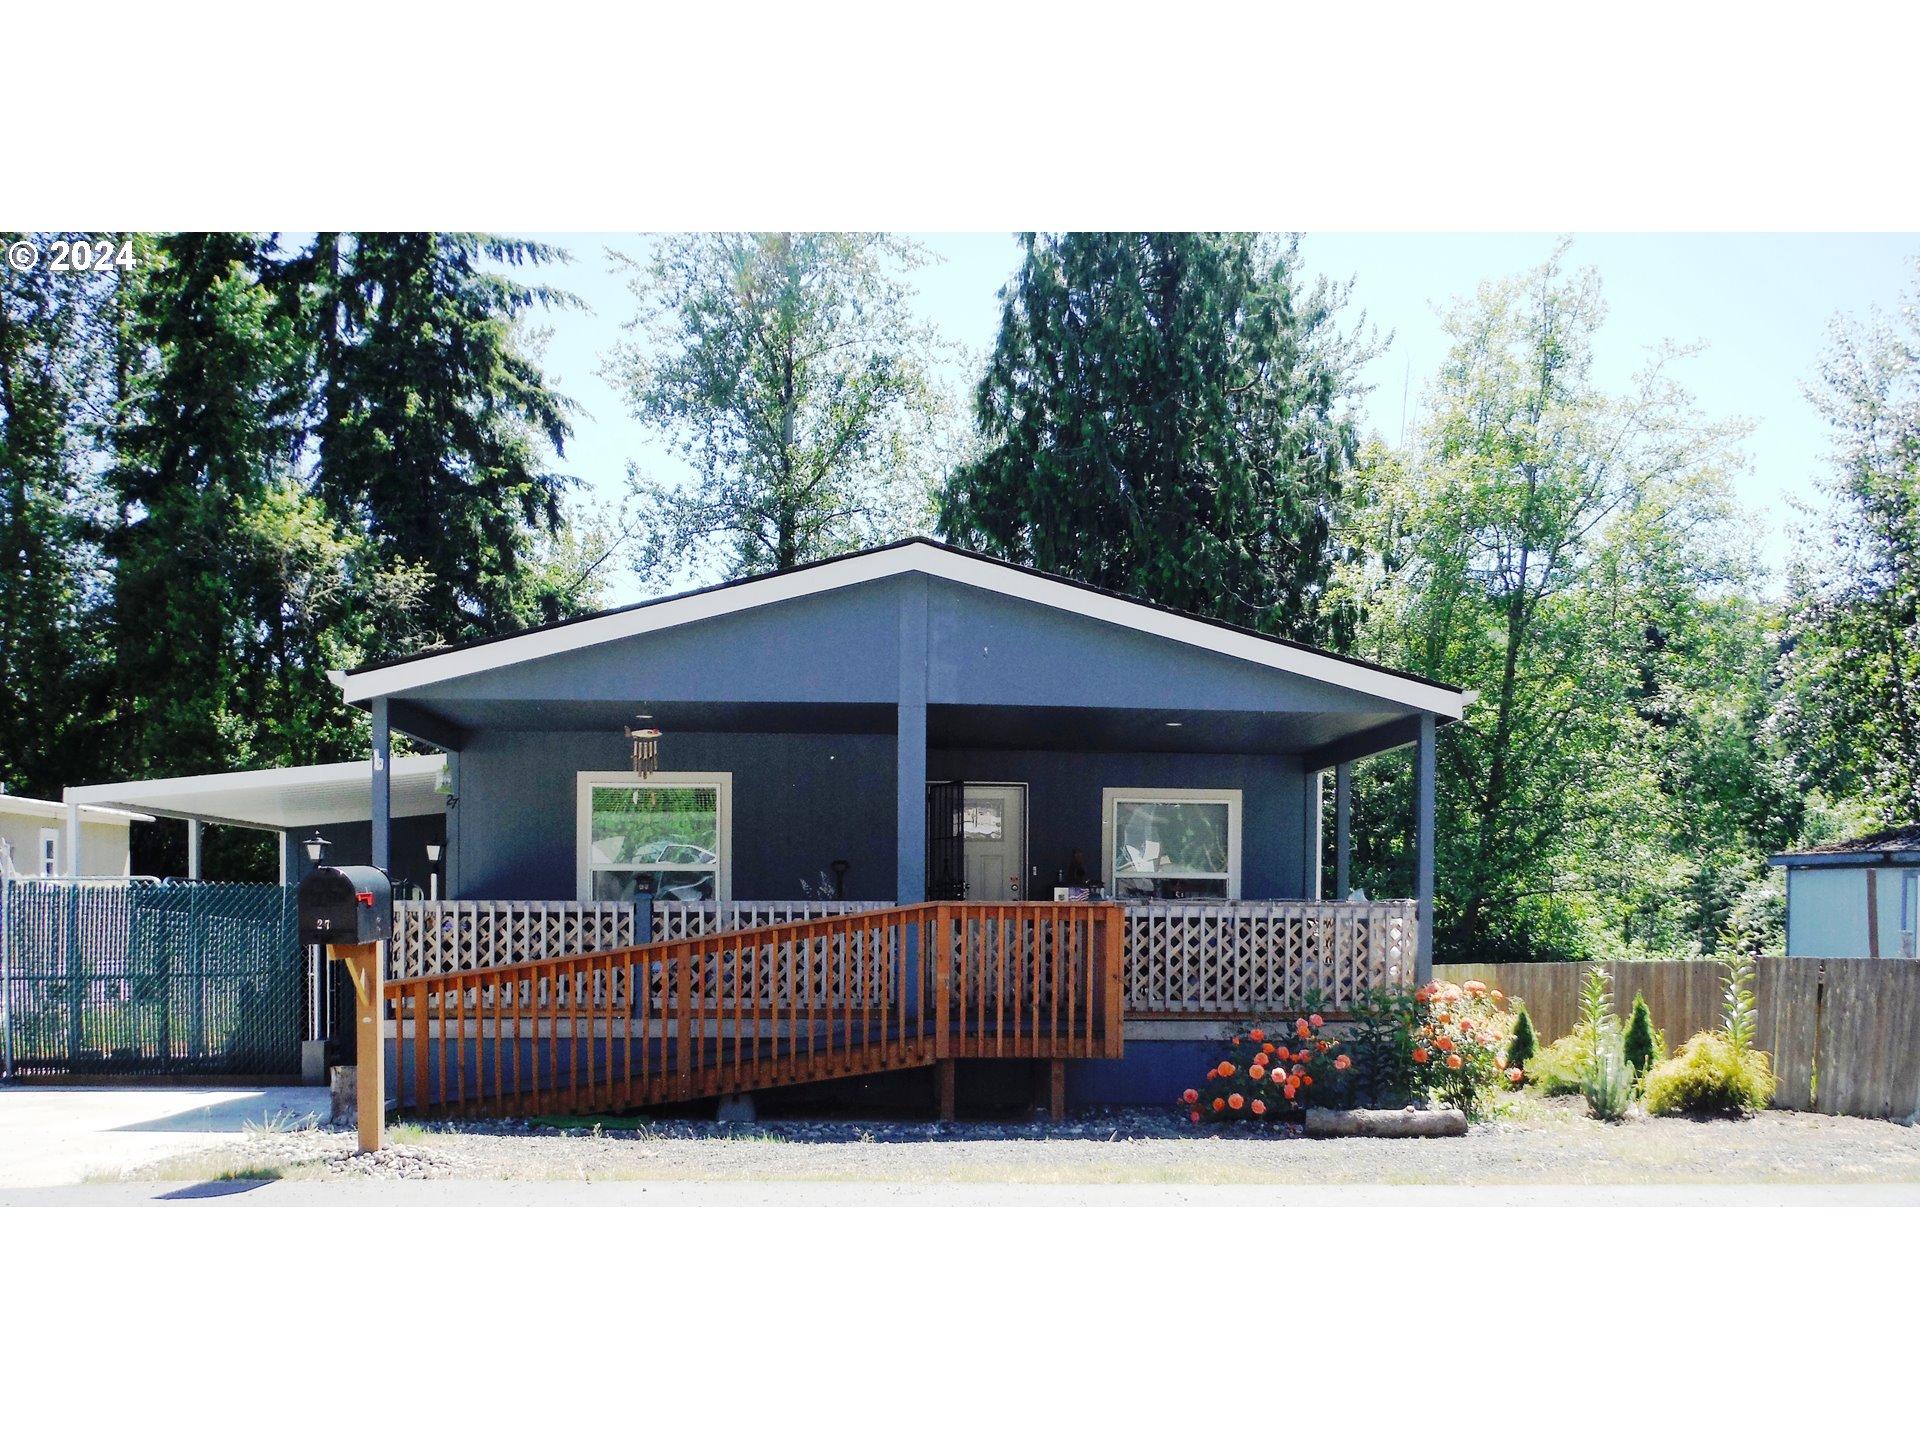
(1530, 1142)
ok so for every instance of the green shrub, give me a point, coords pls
(1559, 1069)
(1710, 1076)
(1640, 1042)
(1608, 1079)
(1525, 1043)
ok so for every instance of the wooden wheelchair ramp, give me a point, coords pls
(744, 1010)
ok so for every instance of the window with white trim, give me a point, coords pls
(49, 852)
(1171, 844)
(668, 836)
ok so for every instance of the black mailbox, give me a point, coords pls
(345, 905)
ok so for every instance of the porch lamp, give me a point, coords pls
(316, 848)
(433, 872)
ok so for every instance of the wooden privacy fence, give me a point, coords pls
(1261, 957)
(1844, 1034)
(752, 1009)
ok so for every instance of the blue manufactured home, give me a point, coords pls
(909, 724)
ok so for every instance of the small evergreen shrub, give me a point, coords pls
(1525, 1043)
(1640, 1041)
(1711, 1075)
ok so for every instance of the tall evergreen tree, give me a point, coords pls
(1164, 415)
(52, 650)
(207, 430)
(429, 419)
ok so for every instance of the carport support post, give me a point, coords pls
(1423, 766)
(193, 849)
(382, 789)
(1342, 829)
(365, 963)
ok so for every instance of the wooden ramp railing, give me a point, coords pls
(753, 1009)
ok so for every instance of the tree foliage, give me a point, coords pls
(1164, 415)
(1851, 717)
(791, 375)
(1556, 549)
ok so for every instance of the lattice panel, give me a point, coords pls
(1262, 957)
(441, 937)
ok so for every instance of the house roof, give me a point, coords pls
(914, 556)
(286, 799)
(1896, 845)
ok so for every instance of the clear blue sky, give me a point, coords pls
(1761, 303)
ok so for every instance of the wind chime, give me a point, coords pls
(646, 748)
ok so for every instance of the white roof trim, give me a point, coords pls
(90, 814)
(913, 558)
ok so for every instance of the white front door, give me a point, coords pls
(993, 828)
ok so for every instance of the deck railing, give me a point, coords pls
(746, 1010)
(1261, 957)
(1197, 959)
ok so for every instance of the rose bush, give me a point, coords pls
(1442, 1042)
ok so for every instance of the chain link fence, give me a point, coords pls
(115, 978)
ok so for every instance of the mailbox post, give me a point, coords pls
(349, 910)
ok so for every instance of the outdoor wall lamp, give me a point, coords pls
(316, 848)
(433, 871)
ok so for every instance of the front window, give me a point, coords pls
(665, 836)
(1173, 844)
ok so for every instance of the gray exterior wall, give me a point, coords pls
(1827, 910)
(1064, 805)
(802, 801)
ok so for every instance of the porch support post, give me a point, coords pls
(382, 788)
(1342, 829)
(1312, 841)
(910, 753)
(73, 840)
(450, 856)
(1423, 767)
(193, 849)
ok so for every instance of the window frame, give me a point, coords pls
(587, 781)
(1113, 796)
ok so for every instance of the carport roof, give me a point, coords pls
(286, 799)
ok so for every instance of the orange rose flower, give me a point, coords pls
(1191, 1096)
(1420, 1055)
(1290, 1092)
(1268, 1048)
(1283, 1053)
(1226, 1069)
(1256, 1072)
(1259, 1107)
(1453, 1062)
(1342, 1062)
(1236, 1100)
(1256, 1036)
(1515, 1074)
(1218, 1103)
(1195, 1117)
(1306, 1079)
(1305, 1030)
(1445, 1042)
(1315, 1020)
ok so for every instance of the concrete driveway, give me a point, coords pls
(59, 1136)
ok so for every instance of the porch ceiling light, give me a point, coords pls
(646, 748)
(1175, 724)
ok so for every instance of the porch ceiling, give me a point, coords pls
(1327, 735)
